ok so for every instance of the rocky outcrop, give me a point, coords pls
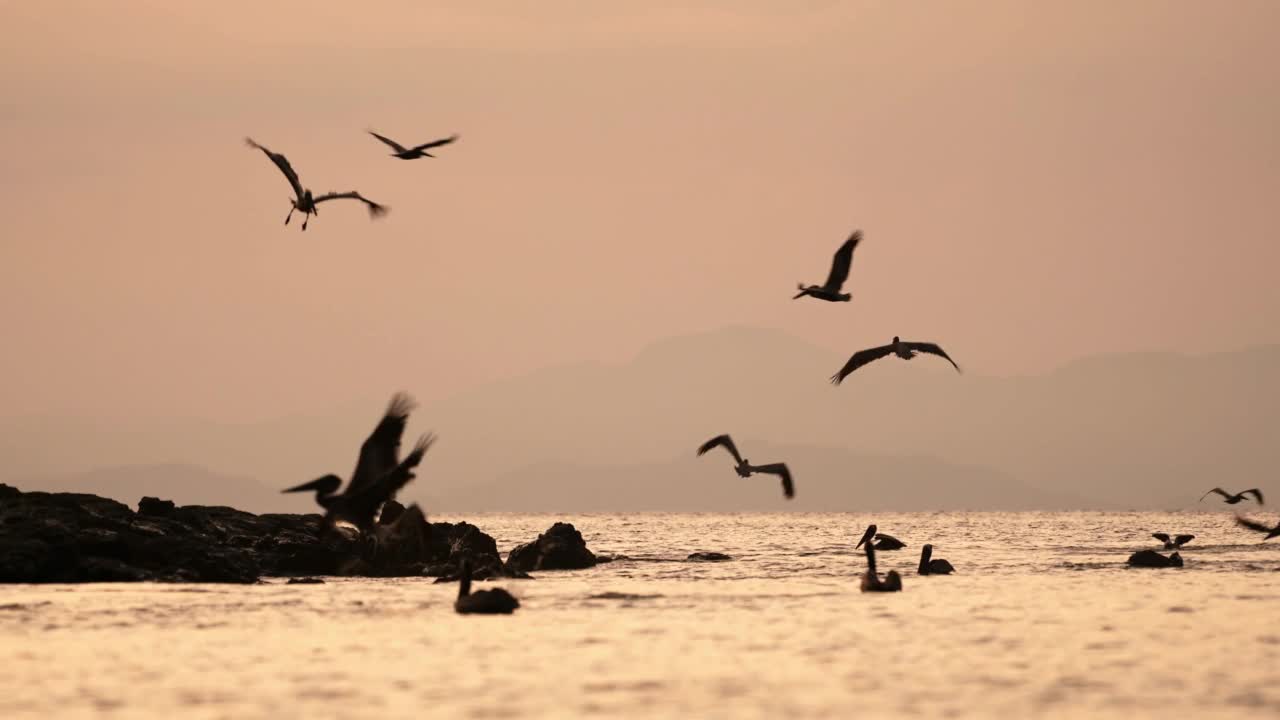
(561, 547)
(708, 557)
(1153, 559)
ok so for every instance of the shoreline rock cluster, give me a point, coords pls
(74, 538)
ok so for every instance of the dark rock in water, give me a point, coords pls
(561, 547)
(305, 581)
(1153, 559)
(708, 557)
(391, 511)
(155, 506)
(452, 573)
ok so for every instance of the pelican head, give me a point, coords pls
(845, 297)
(866, 536)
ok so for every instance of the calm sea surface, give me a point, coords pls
(1043, 620)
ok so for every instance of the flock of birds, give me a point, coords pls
(380, 472)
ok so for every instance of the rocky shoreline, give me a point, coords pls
(73, 538)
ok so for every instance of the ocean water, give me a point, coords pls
(1043, 619)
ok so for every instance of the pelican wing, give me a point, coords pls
(437, 143)
(1181, 540)
(1219, 491)
(394, 145)
(781, 470)
(283, 163)
(363, 503)
(1256, 493)
(723, 441)
(1162, 537)
(860, 358)
(933, 349)
(841, 262)
(375, 210)
(1255, 525)
(380, 452)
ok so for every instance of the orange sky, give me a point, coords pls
(1035, 183)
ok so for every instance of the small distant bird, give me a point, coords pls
(871, 581)
(1259, 527)
(830, 290)
(303, 201)
(413, 153)
(494, 601)
(1230, 499)
(379, 472)
(903, 349)
(933, 566)
(883, 542)
(744, 468)
(1177, 541)
(1153, 559)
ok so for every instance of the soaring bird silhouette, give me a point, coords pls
(1176, 542)
(902, 348)
(416, 152)
(871, 581)
(744, 468)
(830, 290)
(1230, 499)
(933, 566)
(882, 541)
(303, 200)
(1259, 527)
(379, 472)
(494, 601)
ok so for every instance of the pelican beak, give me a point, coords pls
(866, 536)
(304, 486)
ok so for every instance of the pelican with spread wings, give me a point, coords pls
(902, 348)
(1259, 527)
(1230, 499)
(415, 152)
(303, 200)
(744, 468)
(830, 290)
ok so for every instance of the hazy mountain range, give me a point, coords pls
(1150, 430)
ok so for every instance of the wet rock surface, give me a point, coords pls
(561, 547)
(708, 557)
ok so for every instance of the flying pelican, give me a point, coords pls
(379, 471)
(1153, 559)
(744, 468)
(929, 566)
(495, 601)
(883, 542)
(830, 290)
(413, 153)
(871, 581)
(1254, 525)
(1230, 499)
(1177, 541)
(303, 201)
(903, 349)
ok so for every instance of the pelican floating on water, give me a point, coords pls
(379, 472)
(871, 581)
(303, 200)
(744, 468)
(1230, 499)
(830, 290)
(1175, 543)
(1153, 559)
(413, 153)
(902, 348)
(933, 566)
(882, 541)
(494, 601)
(1259, 527)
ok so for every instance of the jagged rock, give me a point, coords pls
(1153, 559)
(561, 547)
(391, 511)
(708, 557)
(305, 581)
(155, 506)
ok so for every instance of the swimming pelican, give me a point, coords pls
(413, 153)
(933, 566)
(303, 201)
(494, 601)
(1254, 525)
(1230, 499)
(902, 348)
(1153, 559)
(883, 542)
(744, 468)
(379, 471)
(1177, 541)
(830, 290)
(871, 581)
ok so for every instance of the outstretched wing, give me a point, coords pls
(1219, 491)
(1162, 537)
(375, 210)
(380, 452)
(1254, 525)
(1256, 493)
(283, 163)
(437, 143)
(364, 503)
(1181, 540)
(860, 358)
(841, 262)
(779, 469)
(394, 145)
(933, 349)
(723, 441)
